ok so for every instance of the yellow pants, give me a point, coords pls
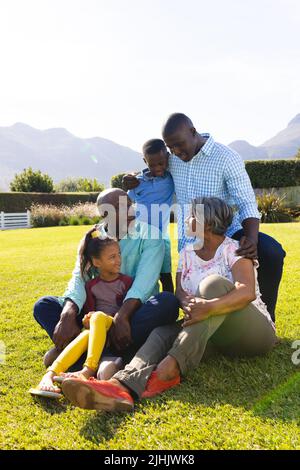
(92, 341)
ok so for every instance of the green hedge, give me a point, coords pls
(273, 173)
(20, 202)
(262, 173)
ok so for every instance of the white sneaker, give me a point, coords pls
(108, 367)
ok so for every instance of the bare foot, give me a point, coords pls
(83, 374)
(47, 385)
(168, 369)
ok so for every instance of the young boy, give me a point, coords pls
(156, 187)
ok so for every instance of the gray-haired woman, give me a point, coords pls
(219, 294)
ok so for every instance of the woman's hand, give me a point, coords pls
(183, 297)
(185, 300)
(196, 310)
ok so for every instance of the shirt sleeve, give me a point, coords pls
(148, 270)
(239, 187)
(90, 303)
(76, 286)
(232, 258)
(127, 280)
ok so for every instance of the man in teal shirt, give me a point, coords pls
(142, 250)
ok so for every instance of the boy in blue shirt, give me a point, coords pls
(154, 197)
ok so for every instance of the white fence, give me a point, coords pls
(14, 220)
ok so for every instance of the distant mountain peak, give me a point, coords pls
(240, 141)
(58, 131)
(284, 144)
(20, 126)
(248, 151)
(59, 153)
(295, 120)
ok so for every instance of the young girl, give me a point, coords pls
(105, 295)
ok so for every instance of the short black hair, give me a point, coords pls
(153, 146)
(174, 121)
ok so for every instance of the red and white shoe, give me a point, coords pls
(155, 386)
(96, 394)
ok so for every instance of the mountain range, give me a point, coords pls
(61, 154)
(283, 145)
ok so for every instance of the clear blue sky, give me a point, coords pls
(117, 68)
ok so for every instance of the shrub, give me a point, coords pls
(85, 221)
(63, 222)
(84, 210)
(271, 207)
(274, 173)
(46, 215)
(50, 215)
(116, 181)
(79, 185)
(294, 212)
(74, 221)
(32, 181)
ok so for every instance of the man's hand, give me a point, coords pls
(120, 333)
(248, 248)
(130, 181)
(248, 243)
(86, 320)
(67, 328)
(198, 309)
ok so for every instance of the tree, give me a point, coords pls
(117, 181)
(298, 155)
(78, 185)
(30, 181)
(90, 185)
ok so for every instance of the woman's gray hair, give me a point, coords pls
(217, 214)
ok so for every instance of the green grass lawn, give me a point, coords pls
(224, 404)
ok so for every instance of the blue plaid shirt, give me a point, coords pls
(216, 171)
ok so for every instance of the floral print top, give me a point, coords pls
(193, 269)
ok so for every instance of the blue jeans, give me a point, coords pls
(161, 309)
(270, 258)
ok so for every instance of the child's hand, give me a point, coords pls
(130, 181)
(86, 320)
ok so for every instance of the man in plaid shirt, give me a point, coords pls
(202, 167)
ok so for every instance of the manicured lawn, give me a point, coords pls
(224, 404)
